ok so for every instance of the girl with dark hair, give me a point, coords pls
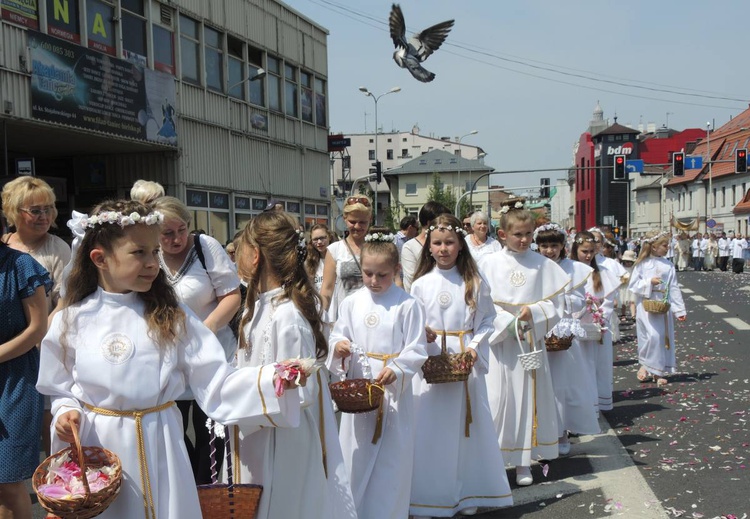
(412, 249)
(460, 315)
(380, 335)
(122, 349)
(303, 466)
(317, 250)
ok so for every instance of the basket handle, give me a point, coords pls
(444, 346)
(76, 446)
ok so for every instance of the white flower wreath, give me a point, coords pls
(549, 227)
(380, 237)
(81, 223)
(447, 228)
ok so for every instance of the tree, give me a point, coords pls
(446, 196)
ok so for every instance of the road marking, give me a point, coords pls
(698, 298)
(737, 323)
(745, 288)
(611, 465)
(716, 309)
(686, 291)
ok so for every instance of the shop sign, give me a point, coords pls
(22, 12)
(84, 88)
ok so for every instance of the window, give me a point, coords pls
(237, 80)
(690, 201)
(274, 84)
(371, 155)
(389, 154)
(134, 32)
(189, 42)
(457, 152)
(723, 196)
(404, 152)
(163, 50)
(306, 96)
(320, 103)
(257, 86)
(372, 140)
(214, 55)
(62, 20)
(101, 27)
(713, 199)
(411, 189)
(290, 91)
(403, 139)
(389, 140)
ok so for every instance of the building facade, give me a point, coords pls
(223, 102)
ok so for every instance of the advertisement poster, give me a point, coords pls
(84, 88)
(22, 12)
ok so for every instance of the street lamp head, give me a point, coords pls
(395, 89)
(259, 74)
(473, 132)
(364, 90)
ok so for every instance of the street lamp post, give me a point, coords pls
(460, 156)
(471, 194)
(710, 177)
(376, 99)
(259, 74)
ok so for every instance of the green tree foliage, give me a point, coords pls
(447, 196)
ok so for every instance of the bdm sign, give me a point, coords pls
(76, 86)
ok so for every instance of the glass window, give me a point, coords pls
(404, 152)
(62, 20)
(371, 155)
(237, 81)
(411, 189)
(134, 33)
(320, 103)
(189, 49)
(274, 84)
(101, 28)
(163, 50)
(306, 96)
(389, 155)
(257, 90)
(214, 56)
(134, 6)
(290, 91)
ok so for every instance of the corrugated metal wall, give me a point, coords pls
(15, 85)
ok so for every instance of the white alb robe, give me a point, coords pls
(600, 354)
(389, 323)
(112, 363)
(573, 384)
(289, 462)
(656, 345)
(453, 472)
(523, 402)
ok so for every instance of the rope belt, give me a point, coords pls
(322, 425)
(385, 357)
(148, 499)
(460, 334)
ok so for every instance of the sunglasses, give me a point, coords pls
(352, 200)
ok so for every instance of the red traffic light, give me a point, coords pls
(678, 157)
(620, 159)
(741, 154)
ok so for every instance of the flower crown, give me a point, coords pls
(518, 205)
(81, 222)
(447, 228)
(656, 238)
(549, 227)
(581, 240)
(380, 237)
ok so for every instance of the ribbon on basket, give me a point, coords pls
(444, 348)
(385, 357)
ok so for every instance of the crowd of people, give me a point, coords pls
(142, 339)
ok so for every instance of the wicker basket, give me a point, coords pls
(593, 332)
(357, 395)
(447, 367)
(531, 360)
(227, 500)
(655, 307)
(555, 343)
(93, 503)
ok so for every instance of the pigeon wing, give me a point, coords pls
(397, 27)
(430, 40)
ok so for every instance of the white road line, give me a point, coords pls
(698, 298)
(737, 323)
(716, 309)
(686, 291)
(743, 288)
(611, 466)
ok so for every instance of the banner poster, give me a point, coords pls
(84, 88)
(22, 12)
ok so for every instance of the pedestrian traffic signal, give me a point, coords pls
(378, 171)
(740, 160)
(678, 164)
(619, 167)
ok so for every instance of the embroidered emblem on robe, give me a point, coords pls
(517, 278)
(372, 320)
(117, 348)
(444, 299)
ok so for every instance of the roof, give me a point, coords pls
(438, 161)
(654, 150)
(616, 128)
(654, 184)
(744, 206)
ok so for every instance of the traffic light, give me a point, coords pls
(740, 160)
(378, 171)
(544, 188)
(619, 167)
(678, 164)
(616, 231)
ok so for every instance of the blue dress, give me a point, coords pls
(21, 406)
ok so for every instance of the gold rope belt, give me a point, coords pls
(385, 357)
(148, 498)
(460, 334)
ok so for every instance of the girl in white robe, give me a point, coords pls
(380, 334)
(527, 290)
(601, 288)
(568, 367)
(302, 470)
(457, 463)
(122, 343)
(655, 278)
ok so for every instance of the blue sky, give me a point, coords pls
(529, 118)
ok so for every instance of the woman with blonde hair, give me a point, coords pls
(146, 191)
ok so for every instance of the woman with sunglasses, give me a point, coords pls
(317, 250)
(479, 241)
(342, 274)
(29, 209)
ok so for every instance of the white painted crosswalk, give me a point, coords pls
(715, 309)
(698, 298)
(737, 323)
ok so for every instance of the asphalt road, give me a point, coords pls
(678, 451)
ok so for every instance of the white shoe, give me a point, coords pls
(523, 476)
(469, 511)
(563, 446)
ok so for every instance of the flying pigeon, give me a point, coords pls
(410, 54)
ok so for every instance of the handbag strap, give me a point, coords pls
(356, 261)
